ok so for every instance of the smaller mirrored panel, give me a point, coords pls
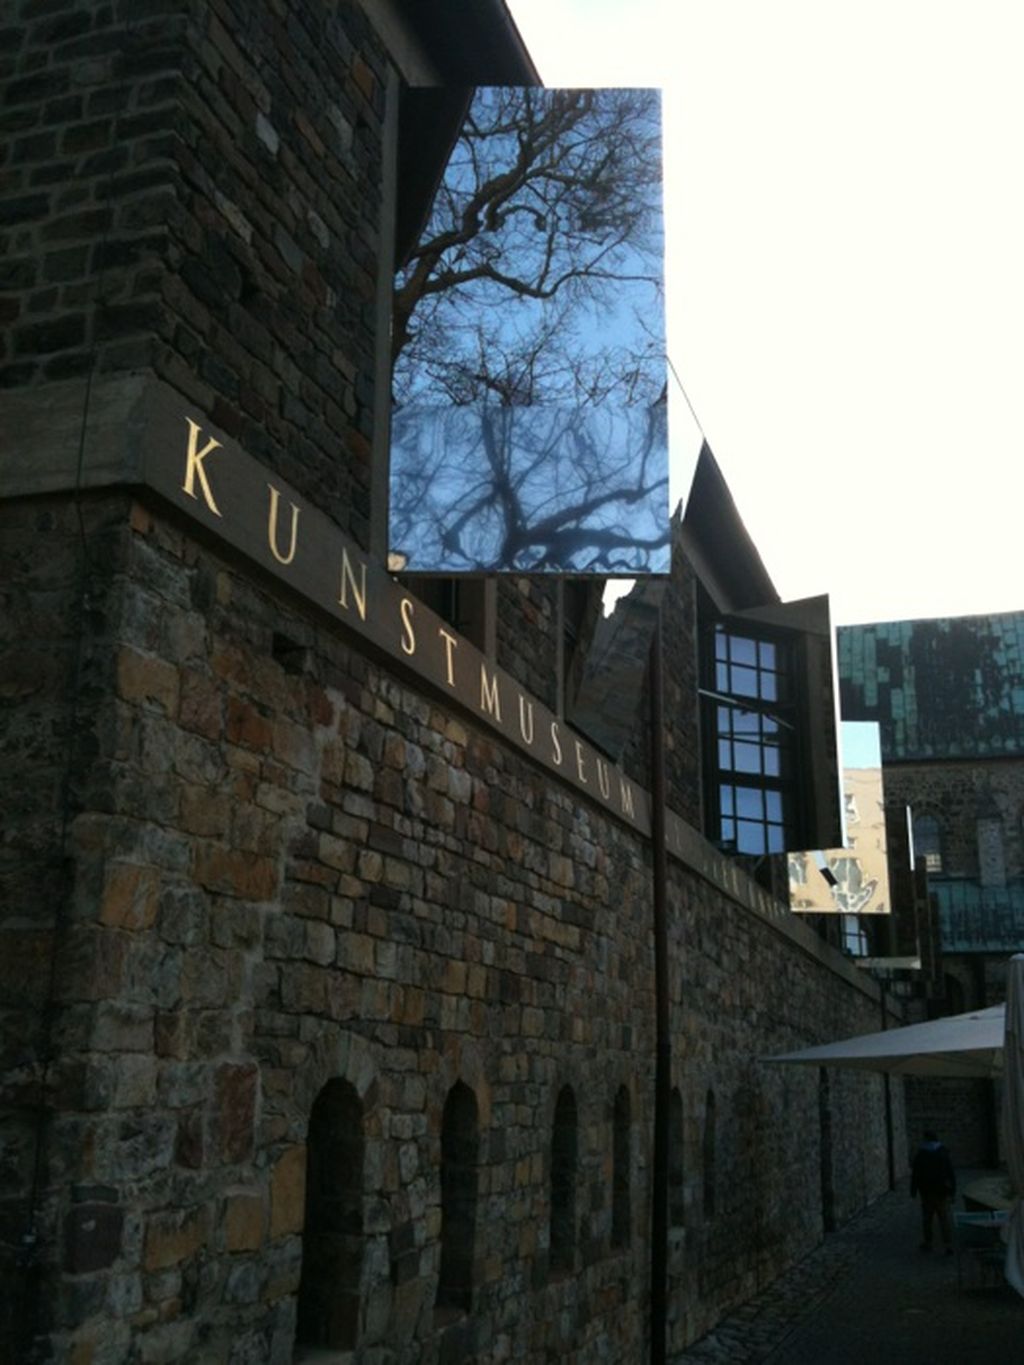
(530, 381)
(853, 880)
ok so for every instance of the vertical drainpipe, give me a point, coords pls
(663, 1045)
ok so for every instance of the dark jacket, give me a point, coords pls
(932, 1172)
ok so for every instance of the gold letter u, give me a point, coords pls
(275, 498)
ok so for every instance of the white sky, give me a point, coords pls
(845, 257)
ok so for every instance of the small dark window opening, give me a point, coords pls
(676, 1207)
(332, 1242)
(928, 842)
(459, 1159)
(461, 602)
(564, 1141)
(710, 1180)
(621, 1162)
(579, 609)
(292, 656)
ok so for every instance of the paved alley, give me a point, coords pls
(868, 1296)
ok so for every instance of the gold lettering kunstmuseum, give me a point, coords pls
(405, 609)
(396, 622)
(490, 701)
(194, 467)
(275, 498)
(348, 580)
(450, 643)
(525, 719)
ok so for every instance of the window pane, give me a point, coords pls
(773, 806)
(776, 843)
(724, 754)
(747, 758)
(725, 800)
(747, 722)
(743, 651)
(728, 831)
(771, 761)
(749, 803)
(768, 687)
(750, 837)
(722, 677)
(744, 682)
(766, 654)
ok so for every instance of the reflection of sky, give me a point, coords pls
(861, 744)
(530, 488)
(595, 351)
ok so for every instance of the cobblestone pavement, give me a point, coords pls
(867, 1296)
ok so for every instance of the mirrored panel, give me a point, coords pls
(853, 880)
(529, 383)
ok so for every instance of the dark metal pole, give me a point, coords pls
(663, 1045)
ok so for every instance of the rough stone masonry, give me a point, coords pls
(250, 861)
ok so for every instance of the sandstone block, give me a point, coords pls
(243, 1222)
(174, 1236)
(130, 896)
(143, 678)
(288, 1193)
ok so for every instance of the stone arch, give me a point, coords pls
(460, 1151)
(622, 1161)
(928, 840)
(332, 1243)
(564, 1160)
(333, 1091)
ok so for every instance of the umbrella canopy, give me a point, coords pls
(1013, 1117)
(961, 1045)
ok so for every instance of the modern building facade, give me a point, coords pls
(948, 695)
(326, 949)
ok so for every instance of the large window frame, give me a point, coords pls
(751, 735)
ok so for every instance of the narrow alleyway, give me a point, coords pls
(868, 1296)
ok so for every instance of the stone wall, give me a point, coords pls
(292, 867)
(957, 795)
(194, 188)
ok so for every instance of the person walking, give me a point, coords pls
(932, 1177)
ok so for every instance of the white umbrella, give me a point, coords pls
(960, 1045)
(1013, 1117)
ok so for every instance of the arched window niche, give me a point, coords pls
(332, 1239)
(710, 1177)
(564, 1149)
(621, 1163)
(460, 1142)
(928, 842)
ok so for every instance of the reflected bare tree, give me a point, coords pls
(537, 285)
